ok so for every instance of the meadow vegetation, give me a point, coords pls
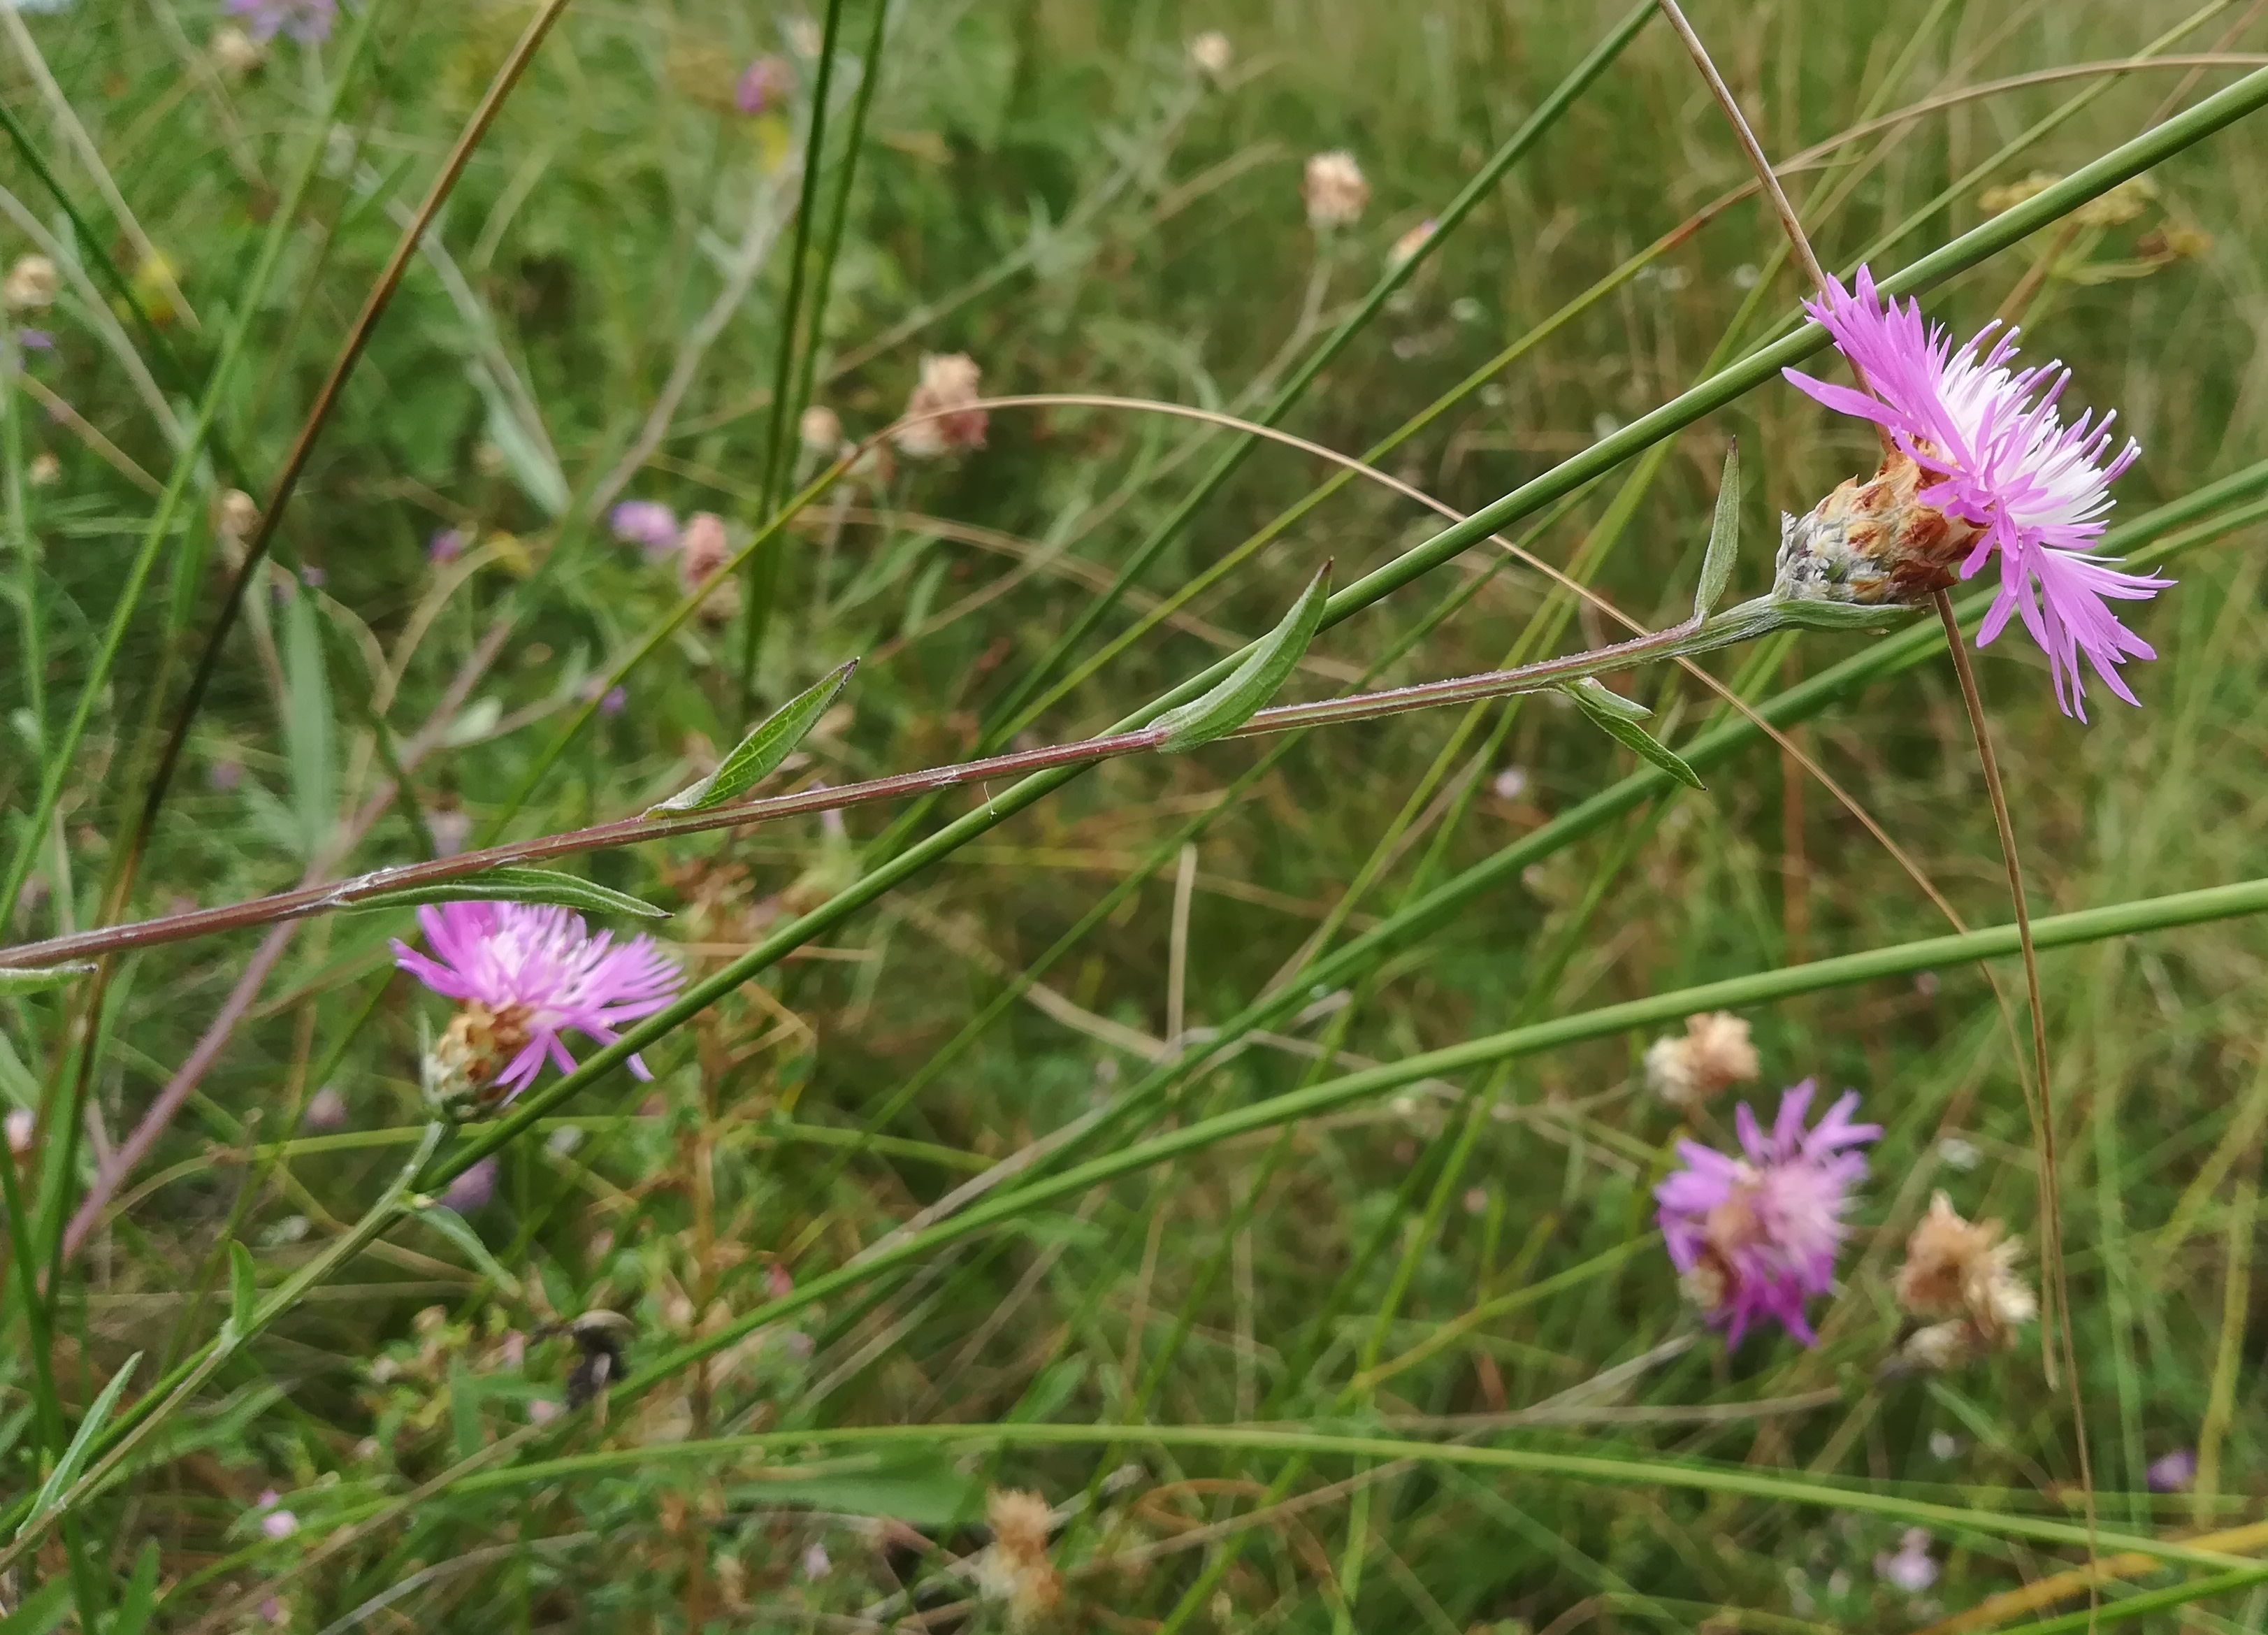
(1207, 1188)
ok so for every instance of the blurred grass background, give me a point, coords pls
(1053, 188)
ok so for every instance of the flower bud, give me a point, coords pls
(1714, 1055)
(821, 429)
(1870, 543)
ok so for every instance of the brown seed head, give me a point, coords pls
(1714, 1055)
(1961, 1273)
(1016, 1570)
(948, 385)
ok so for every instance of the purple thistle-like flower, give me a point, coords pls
(1757, 1236)
(2000, 461)
(446, 545)
(766, 81)
(647, 524)
(307, 21)
(525, 977)
(2174, 1472)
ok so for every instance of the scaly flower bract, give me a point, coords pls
(1757, 1236)
(2001, 461)
(525, 977)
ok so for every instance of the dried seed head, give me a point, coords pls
(948, 385)
(235, 51)
(31, 282)
(706, 547)
(1713, 1056)
(236, 516)
(1210, 53)
(1334, 190)
(1961, 1274)
(462, 1072)
(1871, 542)
(1016, 1570)
(821, 429)
(45, 470)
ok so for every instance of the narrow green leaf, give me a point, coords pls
(16, 982)
(1838, 616)
(1723, 537)
(41, 1610)
(310, 755)
(1253, 682)
(243, 1290)
(513, 884)
(82, 1442)
(1616, 721)
(460, 1231)
(755, 756)
(134, 1607)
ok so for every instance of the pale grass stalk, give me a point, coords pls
(1177, 946)
(59, 107)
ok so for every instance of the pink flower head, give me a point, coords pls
(647, 524)
(2173, 1473)
(527, 976)
(766, 83)
(1757, 1236)
(2001, 461)
(274, 1523)
(307, 21)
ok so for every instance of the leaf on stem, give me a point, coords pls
(243, 1290)
(1253, 682)
(1618, 718)
(32, 981)
(512, 883)
(82, 1443)
(1723, 537)
(758, 754)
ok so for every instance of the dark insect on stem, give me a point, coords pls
(599, 1338)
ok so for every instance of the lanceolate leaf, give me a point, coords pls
(513, 884)
(756, 756)
(1615, 720)
(13, 982)
(1253, 682)
(66, 1471)
(1723, 537)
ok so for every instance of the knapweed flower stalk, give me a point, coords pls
(524, 977)
(1757, 1236)
(1981, 467)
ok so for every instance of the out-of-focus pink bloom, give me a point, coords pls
(1910, 1569)
(327, 1109)
(543, 1410)
(446, 545)
(816, 1564)
(307, 21)
(947, 386)
(274, 1523)
(313, 578)
(1996, 459)
(1411, 242)
(526, 976)
(780, 1282)
(765, 83)
(224, 774)
(2174, 1473)
(472, 1190)
(36, 340)
(21, 1122)
(647, 524)
(1757, 1236)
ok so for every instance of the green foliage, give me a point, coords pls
(1250, 1154)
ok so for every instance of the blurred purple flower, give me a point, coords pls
(313, 578)
(1910, 1569)
(766, 81)
(647, 524)
(1756, 1236)
(224, 774)
(446, 545)
(36, 340)
(274, 1523)
(2174, 1473)
(475, 1187)
(307, 21)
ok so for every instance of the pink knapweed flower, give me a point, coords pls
(765, 83)
(307, 21)
(1757, 1236)
(1996, 460)
(274, 1523)
(525, 977)
(2173, 1473)
(647, 524)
